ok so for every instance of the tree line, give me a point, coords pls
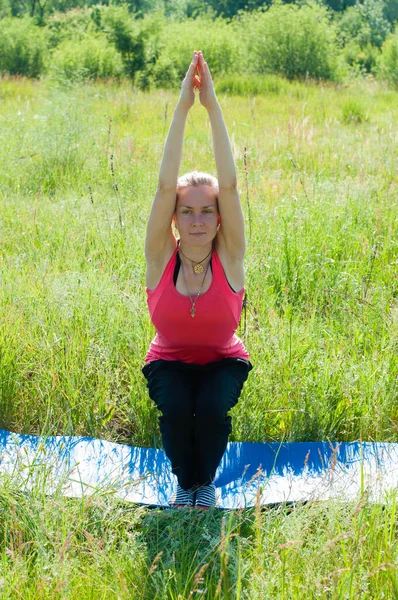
(188, 8)
(150, 41)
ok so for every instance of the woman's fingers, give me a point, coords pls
(206, 69)
(193, 65)
(200, 63)
(198, 73)
(203, 68)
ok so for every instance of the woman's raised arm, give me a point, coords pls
(232, 231)
(159, 233)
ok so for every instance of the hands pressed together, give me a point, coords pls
(198, 76)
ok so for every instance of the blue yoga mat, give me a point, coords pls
(267, 473)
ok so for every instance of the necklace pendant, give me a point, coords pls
(198, 269)
(192, 311)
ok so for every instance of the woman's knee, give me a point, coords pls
(175, 410)
(171, 393)
(214, 422)
(216, 401)
(215, 412)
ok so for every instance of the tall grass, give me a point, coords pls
(98, 547)
(322, 332)
(321, 263)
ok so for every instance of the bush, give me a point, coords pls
(362, 60)
(372, 12)
(76, 24)
(353, 112)
(23, 48)
(360, 31)
(164, 73)
(352, 28)
(391, 10)
(92, 58)
(363, 24)
(292, 41)
(5, 9)
(124, 32)
(387, 67)
(175, 44)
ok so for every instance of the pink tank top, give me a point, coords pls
(209, 336)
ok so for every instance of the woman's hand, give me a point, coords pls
(191, 81)
(207, 95)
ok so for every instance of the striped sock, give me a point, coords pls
(205, 496)
(182, 497)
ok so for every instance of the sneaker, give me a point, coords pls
(181, 498)
(205, 496)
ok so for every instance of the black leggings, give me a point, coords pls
(194, 401)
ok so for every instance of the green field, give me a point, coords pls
(317, 168)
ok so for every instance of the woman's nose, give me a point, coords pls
(197, 219)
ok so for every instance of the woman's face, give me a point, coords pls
(196, 215)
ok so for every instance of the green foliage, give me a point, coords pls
(372, 12)
(78, 548)
(8, 377)
(339, 5)
(388, 62)
(116, 26)
(169, 48)
(138, 7)
(391, 10)
(321, 257)
(65, 6)
(164, 73)
(284, 39)
(291, 41)
(352, 27)
(126, 36)
(5, 9)
(37, 9)
(322, 283)
(23, 48)
(254, 85)
(176, 42)
(99, 547)
(361, 29)
(76, 24)
(92, 58)
(229, 8)
(363, 59)
(353, 112)
(43, 9)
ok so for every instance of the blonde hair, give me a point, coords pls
(196, 179)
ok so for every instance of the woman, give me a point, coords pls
(196, 365)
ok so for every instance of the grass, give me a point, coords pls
(322, 330)
(99, 548)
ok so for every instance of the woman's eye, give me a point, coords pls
(188, 212)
